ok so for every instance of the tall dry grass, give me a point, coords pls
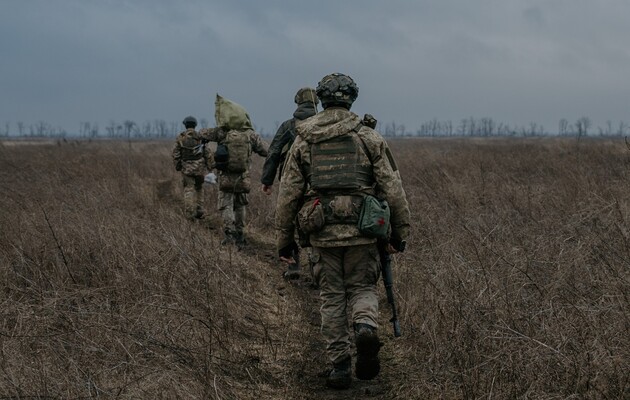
(515, 284)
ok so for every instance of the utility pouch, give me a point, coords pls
(311, 216)
(221, 157)
(374, 218)
(343, 209)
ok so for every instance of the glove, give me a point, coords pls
(288, 251)
(398, 244)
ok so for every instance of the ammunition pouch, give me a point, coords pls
(311, 217)
(328, 210)
(342, 209)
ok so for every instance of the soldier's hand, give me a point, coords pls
(286, 253)
(289, 260)
(390, 249)
(266, 189)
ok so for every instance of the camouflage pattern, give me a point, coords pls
(295, 185)
(306, 95)
(234, 186)
(241, 182)
(189, 155)
(347, 277)
(193, 195)
(232, 210)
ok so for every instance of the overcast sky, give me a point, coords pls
(516, 61)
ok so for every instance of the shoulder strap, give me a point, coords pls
(356, 130)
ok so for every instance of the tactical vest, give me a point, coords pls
(191, 148)
(340, 164)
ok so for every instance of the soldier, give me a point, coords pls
(306, 101)
(335, 163)
(190, 156)
(232, 161)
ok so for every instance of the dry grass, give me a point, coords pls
(515, 284)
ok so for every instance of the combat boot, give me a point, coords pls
(239, 240)
(368, 365)
(341, 375)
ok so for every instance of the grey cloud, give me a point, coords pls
(516, 61)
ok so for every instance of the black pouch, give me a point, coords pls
(221, 157)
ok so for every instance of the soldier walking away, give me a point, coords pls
(190, 157)
(337, 164)
(306, 100)
(232, 160)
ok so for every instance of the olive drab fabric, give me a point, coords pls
(296, 187)
(239, 150)
(236, 182)
(189, 154)
(229, 115)
(339, 163)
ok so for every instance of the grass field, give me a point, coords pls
(515, 285)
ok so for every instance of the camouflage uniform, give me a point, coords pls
(233, 187)
(190, 156)
(346, 264)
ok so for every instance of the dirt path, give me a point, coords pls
(306, 367)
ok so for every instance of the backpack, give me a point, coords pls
(234, 152)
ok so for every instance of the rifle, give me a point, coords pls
(388, 281)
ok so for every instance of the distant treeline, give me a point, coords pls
(481, 127)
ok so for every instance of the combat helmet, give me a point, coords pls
(190, 122)
(306, 95)
(337, 90)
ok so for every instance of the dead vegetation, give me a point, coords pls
(515, 284)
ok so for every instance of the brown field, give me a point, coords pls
(515, 285)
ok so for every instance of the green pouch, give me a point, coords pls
(374, 217)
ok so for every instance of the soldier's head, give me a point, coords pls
(306, 95)
(337, 90)
(190, 122)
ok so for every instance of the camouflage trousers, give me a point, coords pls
(347, 278)
(193, 194)
(232, 209)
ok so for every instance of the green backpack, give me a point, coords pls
(239, 151)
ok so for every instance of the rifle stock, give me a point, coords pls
(388, 281)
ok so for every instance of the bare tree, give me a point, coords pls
(583, 124)
(562, 127)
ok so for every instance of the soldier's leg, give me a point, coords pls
(361, 273)
(199, 196)
(361, 276)
(189, 195)
(328, 273)
(226, 209)
(240, 203)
